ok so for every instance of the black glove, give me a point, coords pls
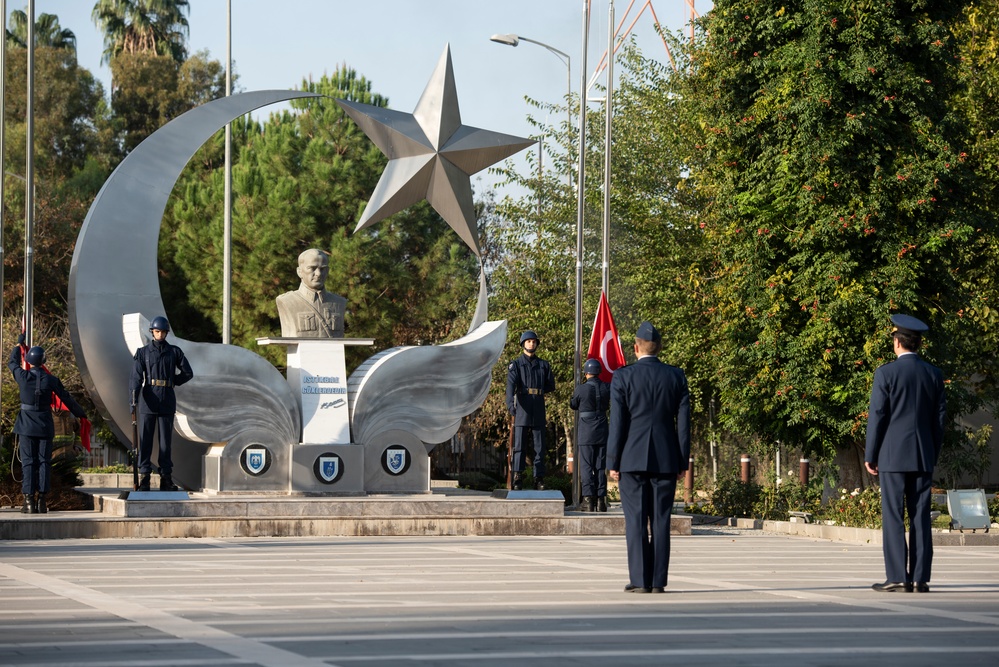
(20, 339)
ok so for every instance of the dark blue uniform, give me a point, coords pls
(905, 427)
(649, 445)
(34, 425)
(528, 380)
(159, 367)
(592, 399)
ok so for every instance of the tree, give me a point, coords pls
(151, 90)
(143, 26)
(48, 32)
(840, 191)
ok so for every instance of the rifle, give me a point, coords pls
(135, 453)
(509, 455)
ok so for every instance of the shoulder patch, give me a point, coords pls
(510, 367)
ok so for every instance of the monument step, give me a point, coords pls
(450, 512)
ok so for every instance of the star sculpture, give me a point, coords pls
(431, 155)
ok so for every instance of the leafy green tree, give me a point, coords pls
(48, 32)
(143, 26)
(150, 90)
(300, 180)
(840, 191)
(68, 172)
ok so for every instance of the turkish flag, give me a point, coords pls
(604, 342)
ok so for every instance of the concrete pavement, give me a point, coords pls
(735, 597)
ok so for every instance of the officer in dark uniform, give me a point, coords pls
(159, 367)
(528, 380)
(905, 427)
(592, 399)
(34, 426)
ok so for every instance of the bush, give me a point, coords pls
(775, 502)
(732, 497)
(116, 469)
(858, 509)
(994, 508)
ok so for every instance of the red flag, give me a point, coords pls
(605, 345)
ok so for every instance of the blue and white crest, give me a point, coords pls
(329, 468)
(396, 460)
(255, 460)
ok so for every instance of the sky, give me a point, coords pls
(396, 44)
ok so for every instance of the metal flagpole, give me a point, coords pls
(3, 173)
(227, 219)
(29, 180)
(609, 106)
(580, 214)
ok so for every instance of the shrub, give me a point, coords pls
(775, 502)
(732, 497)
(858, 509)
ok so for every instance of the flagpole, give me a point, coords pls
(3, 173)
(609, 106)
(580, 210)
(29, 180)
(227, 209)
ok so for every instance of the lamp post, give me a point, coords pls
(514, 40)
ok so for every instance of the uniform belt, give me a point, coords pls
(161, 383)
(34, 408)
(589, 413)
(532, 391)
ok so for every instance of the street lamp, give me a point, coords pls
(514, 40)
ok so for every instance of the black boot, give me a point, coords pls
(587, 504)
(539, 484)
(29, 506)
(591, 504)
(40, 507)
(166, 483)
(601, 504)
(518, 481)
(144, 483)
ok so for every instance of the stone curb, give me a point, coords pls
(844, 533)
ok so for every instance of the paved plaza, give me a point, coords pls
(735, 597)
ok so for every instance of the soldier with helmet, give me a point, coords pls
(159, 367)
(34, 426)
(592, 400)
(528, 380)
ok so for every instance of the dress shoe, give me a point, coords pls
(636, 589)
(41, 507)
(922, 587)
(601, 504)
(166, 483)
(892, 587)
(518, 482)
(658, 589)
(29, 505)
(540, 484)
(144, 483)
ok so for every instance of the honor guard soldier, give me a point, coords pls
(528, 380)
(34, 426)
(158, 368)
(905, 427)
(592, 399)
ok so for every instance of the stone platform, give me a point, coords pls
(444, 511)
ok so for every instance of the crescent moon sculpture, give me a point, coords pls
(114, 272)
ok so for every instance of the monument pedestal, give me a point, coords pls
(325, 461)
